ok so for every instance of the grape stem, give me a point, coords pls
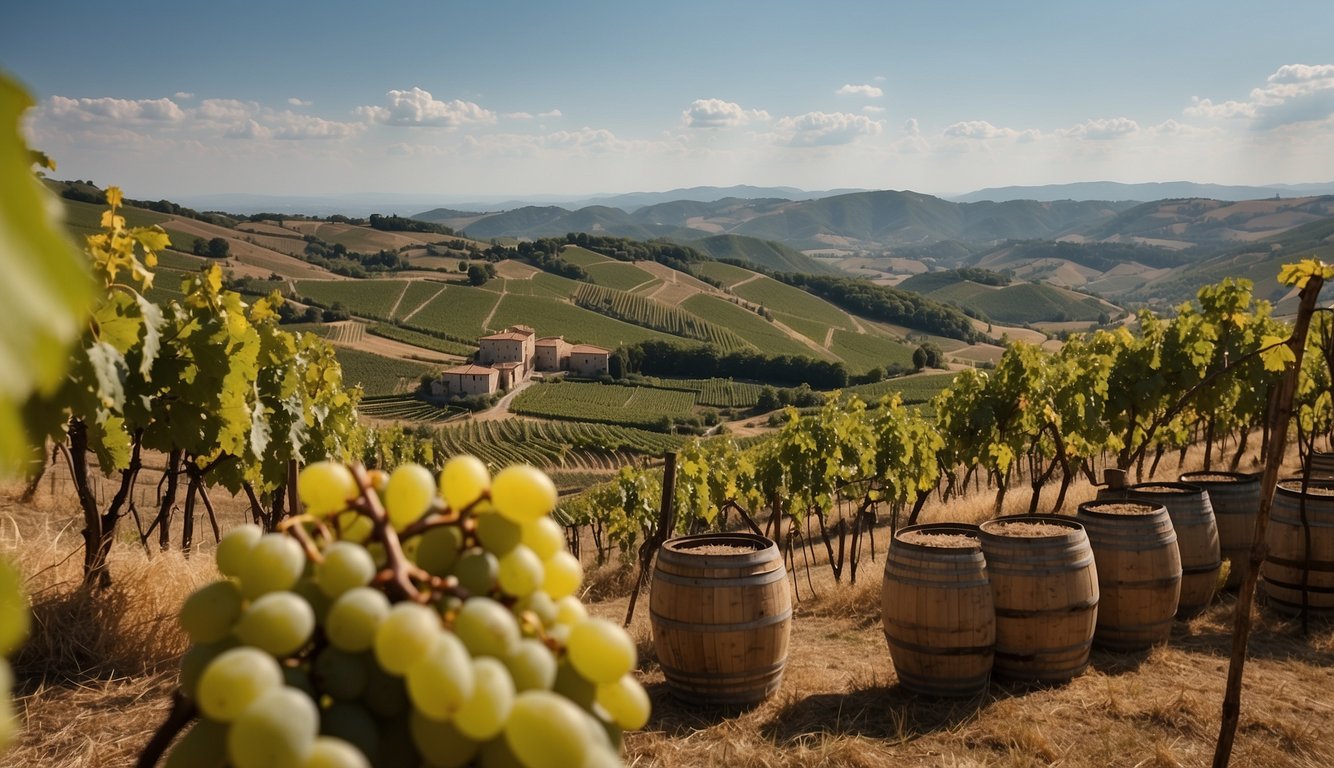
(400, 583)
(182, 712)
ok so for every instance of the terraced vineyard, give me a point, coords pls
(575, 447)
(457, 312)
(747, 325)
(553, 317)
(726, 274)
(377, 374)
(780, 297)
(618, 274)
(364, 298)
(913, 389)
(407, 408)
(719, 393)
(604, 403)
(640, 310)
(419, 339)
(862, 352)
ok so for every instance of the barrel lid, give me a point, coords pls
(1315, 486)
(1112, 508)
(1208, 478)
(1164, 489)
(1031, 526)
(718, 544)
(939, 535)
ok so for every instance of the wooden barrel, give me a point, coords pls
(1045, 586)
(1321, 464)
(937, 610)
(721, 614)
(1139, 572)
(1287, 564)
(1235, 498)
(1197, 539)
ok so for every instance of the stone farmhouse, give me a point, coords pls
(504, 359)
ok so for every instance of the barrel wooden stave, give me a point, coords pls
(1197, 540)
(1236, 504)
(938, 614)
(1139, 575)
(1286, 563)
(721, 623)
(1046, 595)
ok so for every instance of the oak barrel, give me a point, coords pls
(721, 614)
(1288, 572)
(1045, 586)
(1197, 539)
(1321, 464)
(937, 610)
(1235, 498)
(1139, 572)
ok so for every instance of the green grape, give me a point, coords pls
(523, 493)
(520, 572)
(345, 566)
(541, 605)
(278, 622)
(477, 571)
(484, 713)
(203, 746)
(463, 480)
(197, 659)
(570, 611)
(329, 752)
(497, 754)
(308, 590)
(354, 724)
(326, 487)
(544, 536)
(234, 680)
(600, 650)
(273, 564)
(276, 731)
(532, 666)
(340, 674)
(234, 548)
(498, 534)
(396, 747)
(354, 527)
(487, 628)
(440, 743)
(441, 680)
(438, 549)
(626, 701)
(573, 686)
(208, 614)
(406, 636)
(547, 731)
(562, 575)
(8, 722)
(408, 495)
(386, 695)
(354, 618)
(298, 677)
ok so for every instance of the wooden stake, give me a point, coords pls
(666, 522)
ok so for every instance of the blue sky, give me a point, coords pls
(470, 100)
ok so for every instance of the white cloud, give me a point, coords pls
(418, 108)
(117, 110)
(584, 138)
(869, 91)
(248, 130)
(225, 110)
(1102, 129)
(550, 114)
(817, 129)
(518, 116)
(871, 110)
(1293, 93)
(290, 125)
(183, 95)
(979, 129)
(295, 102)
(911, 127)
(716, 113)
(880, 78)
(1206, 108)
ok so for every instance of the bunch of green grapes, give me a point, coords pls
(403, 622)
(14, 622)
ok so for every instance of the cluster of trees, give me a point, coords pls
(396, 223)
(337, 258)
(543, 254)
(887, 304)
(666, 358)
(214, 248)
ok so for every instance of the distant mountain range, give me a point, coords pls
(1157, 190)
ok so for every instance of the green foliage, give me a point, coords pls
(380, 375)
(890, 305)
(606, 403)
(618, 275)
(642, 311)
(760, 333)
(419, 339)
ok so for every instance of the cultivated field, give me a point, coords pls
(604, 403)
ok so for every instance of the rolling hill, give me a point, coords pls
(1018, 302)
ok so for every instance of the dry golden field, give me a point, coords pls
(94, 680)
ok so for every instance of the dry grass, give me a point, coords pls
(93, 683)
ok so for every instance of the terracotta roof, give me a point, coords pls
(470, 370)
(507, 336)
(588, 349)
